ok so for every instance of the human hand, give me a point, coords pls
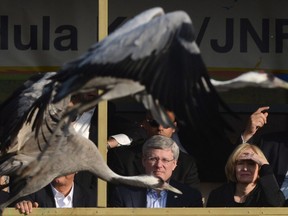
(112, 143)
(26, 206)
(257, 120)
(118, 140)
(254, 157)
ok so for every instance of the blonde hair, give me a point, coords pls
(231, 162)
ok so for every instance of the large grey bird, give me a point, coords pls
(130, 61)
(33, 157)
(154, 58)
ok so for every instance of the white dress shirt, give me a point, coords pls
(155, 199)
(62, 201)
(82, 123)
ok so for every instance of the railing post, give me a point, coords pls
(102, 107)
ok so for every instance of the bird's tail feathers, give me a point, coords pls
(167, 186)
(146, 181)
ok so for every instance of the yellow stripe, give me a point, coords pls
(27, 69)
(212, 69)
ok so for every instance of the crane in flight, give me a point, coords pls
(153, 57)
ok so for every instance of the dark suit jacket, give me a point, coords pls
(127, 196)
(275, 148)
(45, 198)
(127, 160)
(4, 196)
(265, 194)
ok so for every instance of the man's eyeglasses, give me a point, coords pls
(152, 122)
(153, 160)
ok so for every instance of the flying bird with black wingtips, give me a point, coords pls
(33, 158)
(154, 58)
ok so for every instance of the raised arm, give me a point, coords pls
(257, 120)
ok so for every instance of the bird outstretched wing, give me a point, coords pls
(157, 61)
(251, 79)
(35, 159)
(14, 111)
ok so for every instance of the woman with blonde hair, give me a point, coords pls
(251, 182)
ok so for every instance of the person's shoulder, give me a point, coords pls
(82, 189)
(186, 157)
(88, 195)
(127, 189)
(135, 147)
(223, 188)
(274, 140)
(191, 196)
(275, 136)
(220, 195)
(184, 188)
(47, 190)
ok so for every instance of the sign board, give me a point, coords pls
(234, 36)
(231, 34)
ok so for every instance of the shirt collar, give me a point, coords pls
(60, 199)
(155, 194)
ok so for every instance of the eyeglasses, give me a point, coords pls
(153, 160)
(152, 122)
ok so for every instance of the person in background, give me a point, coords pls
(251, 182)
(159, 158)
(127, 160)
(62, 192)
(274, 146)
(4, 195)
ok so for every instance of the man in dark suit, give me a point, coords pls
(159, 158)
(127, 160)
(61, 193)
(274, 146)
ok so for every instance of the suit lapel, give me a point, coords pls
(48, 197)
(138, 198)
(172, 198)
(78, 199)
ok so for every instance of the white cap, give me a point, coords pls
(122, 139)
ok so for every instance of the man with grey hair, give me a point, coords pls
(159, 158)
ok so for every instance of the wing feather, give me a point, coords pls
(14, 110)
(160, 54)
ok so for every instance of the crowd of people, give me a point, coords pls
(256, 171)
